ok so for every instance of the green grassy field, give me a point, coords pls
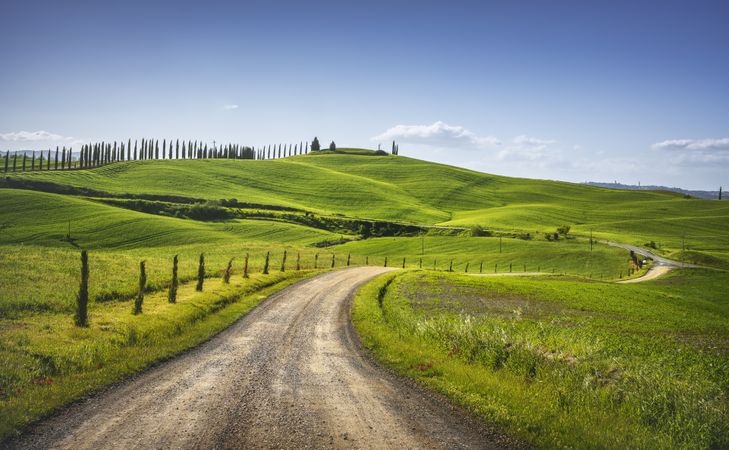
(409, 190)
(560, 362)
(599, 323)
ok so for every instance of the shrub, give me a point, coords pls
(563, 230)
(479, 231)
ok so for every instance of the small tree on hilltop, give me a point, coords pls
(333, 146)
(315, 147)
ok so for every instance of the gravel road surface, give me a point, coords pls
(289, 374)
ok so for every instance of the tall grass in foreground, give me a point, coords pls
(564, 363)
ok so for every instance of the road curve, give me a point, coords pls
(287, 375)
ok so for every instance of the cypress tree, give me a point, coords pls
(156, 150)
(349, 258)
(200, 273)
(466, 271)
(129, 149)
(24, 159)
(177, 149)
(450, 268)
(332, 146)
(15, 161)
(265, 266)
(48, 160)
(7, 160)
(298, 261)
(183, 150)
(385, 261)
(719, 186)
(333, 260)
(172, 295)
(164, 149)
(56, 162)
(316, 260)
(403, 263)
(367, 260)
(245, 267)
(81, 319)
(315, 144)
(136, 154)
(142, 286)
(32, 161)
(283, 262)
(228, 270)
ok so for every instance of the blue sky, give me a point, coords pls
(571, 90)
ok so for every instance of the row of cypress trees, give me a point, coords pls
(100, 153)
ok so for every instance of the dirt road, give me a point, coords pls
(287, 375)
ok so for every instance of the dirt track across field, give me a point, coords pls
(290, 374)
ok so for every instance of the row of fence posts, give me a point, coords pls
(82, 298)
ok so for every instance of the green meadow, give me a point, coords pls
(407, 190)
(609, 343)
(564, 363)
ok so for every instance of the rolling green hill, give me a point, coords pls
(413, 191)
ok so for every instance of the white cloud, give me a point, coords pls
(32, 136)
(693, 144)
(438, 134)
(230, 107)
(695, 151)
(528, 148)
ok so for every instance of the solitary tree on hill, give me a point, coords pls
(333, 146)
(315, 147)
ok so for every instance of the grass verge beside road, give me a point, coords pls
(563, 362)
(48, 362)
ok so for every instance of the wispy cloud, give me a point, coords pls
(438, 134)
(230, 107)
(527, 148)
(697, 151)
(32, 136)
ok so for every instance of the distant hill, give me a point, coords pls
(707, 195)
(401, 189)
